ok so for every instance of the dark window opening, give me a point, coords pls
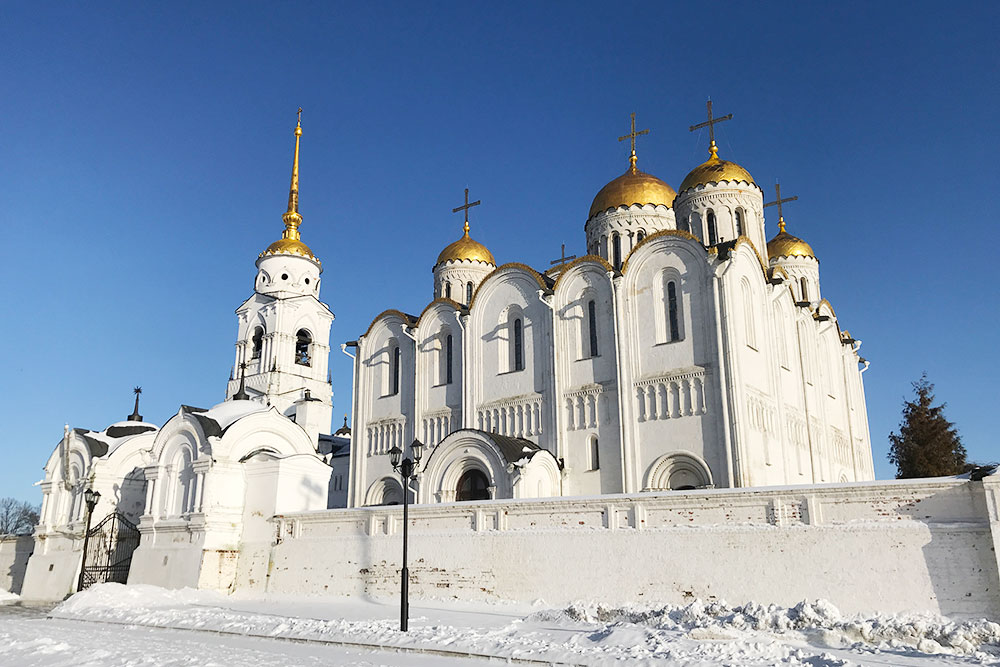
(303, 341)
(739, 223)
(258, 341)
(518, 346)
(805, 292)
(472, 485)
(712, 236)
(616, 247)
(447, 290)
(468, 294)
(686, 224)
(448, 362)
(675, 331)
(592, 315)
(640, 236)
(595, 455)
(395, 370)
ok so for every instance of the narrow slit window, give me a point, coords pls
(640, 236)
(712, 235)
(395, 370)
(468, 294)
(518, 345)
(592, 326)
(595, 454)
(447, 290)
(686, 224)
(805, 291)
(739, 222)
(675, 331)
(448, 359)
(616, 248)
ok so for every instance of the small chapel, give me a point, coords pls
(195, 488)
(685, 350)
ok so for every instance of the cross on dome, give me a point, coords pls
(466, 208)
(632, 135)
(710, 124)
(778, 201)
(562, 260)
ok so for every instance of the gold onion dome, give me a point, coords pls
(715, 171)
(632, 187)
(466, 249)
(290, 243)
(786, 245)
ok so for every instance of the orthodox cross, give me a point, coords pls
(778, 201)
(710, 123)
(562, 260)
(632, 135)
(466, 209)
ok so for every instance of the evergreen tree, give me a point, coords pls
(927, 444)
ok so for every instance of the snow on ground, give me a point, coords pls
(6, 597)
(585, 633)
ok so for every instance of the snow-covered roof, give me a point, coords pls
(219, 417)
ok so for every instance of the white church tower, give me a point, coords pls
(282, 347)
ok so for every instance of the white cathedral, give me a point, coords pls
(683, 351)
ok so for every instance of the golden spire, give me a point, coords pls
(292, 218)
(632, 135)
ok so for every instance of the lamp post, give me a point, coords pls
(90, 497)
(407, 470)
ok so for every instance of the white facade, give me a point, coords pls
(676, 355)
(208, 479)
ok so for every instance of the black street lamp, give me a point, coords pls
(407, 470)
(90, 497)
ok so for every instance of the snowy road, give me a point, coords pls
(41, 642)
(135, 626)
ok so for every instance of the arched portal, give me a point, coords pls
(472, 485)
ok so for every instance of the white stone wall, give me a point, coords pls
(14, 553)
(897, 546)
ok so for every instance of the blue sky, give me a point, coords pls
(146, 150)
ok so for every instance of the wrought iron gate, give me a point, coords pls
(109, 550)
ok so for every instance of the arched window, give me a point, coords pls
(712, 236)
(804, 285)
(748, 315)
(258, 339)
(672, 319)
(592, 326)
(303, 343)
(685, 224)
(447, 290)
(448, 359)
(738, 215)
(185, 482)
(468, 294)
(518, 345)
(616, 250)
(595, 455)
(394, 387)
(640, 236)
(472, 485)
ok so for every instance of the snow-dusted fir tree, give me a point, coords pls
(927, 444)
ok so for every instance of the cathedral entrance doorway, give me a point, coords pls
(110, 546)
(472, 485)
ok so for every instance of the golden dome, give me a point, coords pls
(465, 249)
(786, 245)
(285, 246)
(714, 171)
(632, 187)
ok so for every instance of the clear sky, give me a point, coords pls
(145, 152)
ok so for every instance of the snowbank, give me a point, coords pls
(6, 597)
(817, 622)
(584, 633)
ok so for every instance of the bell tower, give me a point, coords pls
(282, 346)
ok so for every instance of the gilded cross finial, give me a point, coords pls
(563, 259)
(632, 135)
(466, 208)
(713, 150)
(778, 201)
